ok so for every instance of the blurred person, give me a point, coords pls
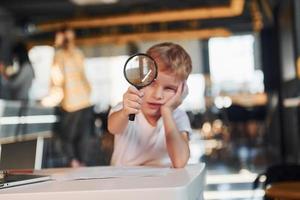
(59, 39)
(18, 74)
(71, 90)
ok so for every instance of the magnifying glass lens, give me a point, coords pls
(140, 70)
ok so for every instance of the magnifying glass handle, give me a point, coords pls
(131, 117)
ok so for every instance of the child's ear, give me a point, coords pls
(185, 90)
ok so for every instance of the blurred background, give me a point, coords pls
(244, 98)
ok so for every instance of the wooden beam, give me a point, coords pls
(235, 8)
(136, 37)
(298, 67)
(257, 21)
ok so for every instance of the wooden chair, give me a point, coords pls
(278, 179)
(287, 190)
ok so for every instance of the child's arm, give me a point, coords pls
(117, 121)
(177, 143)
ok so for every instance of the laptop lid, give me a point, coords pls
(10, 180)
(21, 155)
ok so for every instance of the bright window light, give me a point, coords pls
(107, 80)
(41, 58)
(232, 64)
(195, 99)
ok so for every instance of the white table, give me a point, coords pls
(132, 183)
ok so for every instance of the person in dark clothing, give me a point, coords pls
(19, 73)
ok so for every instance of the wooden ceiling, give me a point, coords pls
(135, 20)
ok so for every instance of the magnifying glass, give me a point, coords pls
(140, 70)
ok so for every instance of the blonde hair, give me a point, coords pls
(174, 57)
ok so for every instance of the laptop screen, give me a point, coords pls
(10, 180)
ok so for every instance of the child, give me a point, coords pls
(159, 134)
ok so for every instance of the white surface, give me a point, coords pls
(108, 172)
(134, 183)
(39, 153)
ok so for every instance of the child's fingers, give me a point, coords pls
(134, 90)
(133, 111)
(134, 105)
(132, 97)
(131, 107)
(132, 100)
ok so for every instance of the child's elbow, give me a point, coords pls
(110, 128)
(180, 163)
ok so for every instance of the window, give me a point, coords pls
(107, 81)
(232, 65)
(41, 58)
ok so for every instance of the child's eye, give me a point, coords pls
(170, 89)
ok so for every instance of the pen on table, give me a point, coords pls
(3, 173)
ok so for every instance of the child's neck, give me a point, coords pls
(152, 120)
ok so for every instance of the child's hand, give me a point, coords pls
(185, 91)
(177, 99)
(132, 100)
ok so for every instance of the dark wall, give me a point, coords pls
(270, 61)
(6, 35)
(280, 45)
(280, 50)
(289, 41)
(272, 81)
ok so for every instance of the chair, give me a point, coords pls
(277, 174)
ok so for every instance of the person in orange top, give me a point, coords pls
(71, 89)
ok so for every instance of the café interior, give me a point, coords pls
(243, 102)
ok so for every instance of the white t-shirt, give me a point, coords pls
(143, 144)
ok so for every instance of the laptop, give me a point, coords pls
(10, 180)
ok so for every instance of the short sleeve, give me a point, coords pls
(182, 121)
(116, 108)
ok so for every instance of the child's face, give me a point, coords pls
(158, 93)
